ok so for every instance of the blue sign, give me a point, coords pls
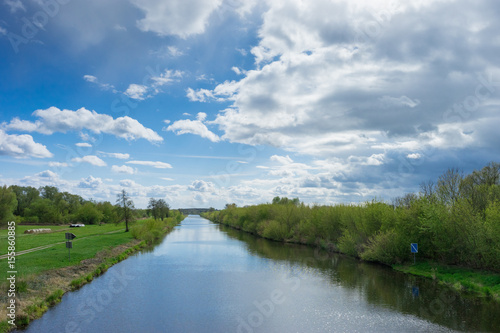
(414, 248)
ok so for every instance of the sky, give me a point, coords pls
(208, 102)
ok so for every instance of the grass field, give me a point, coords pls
(89, 240)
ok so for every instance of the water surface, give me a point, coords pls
(208, 278)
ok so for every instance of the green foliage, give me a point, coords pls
(151, 230)
(8, 204)
(89, 214)
(456, 221)
(43, 211)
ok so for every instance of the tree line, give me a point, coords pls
(455, 220)
(47, 205)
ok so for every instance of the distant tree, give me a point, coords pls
(109, 212)
(448, 186)
(8, 204)
(49, 192)
(285, 201)
(126, 207)
(229, 206)
(25, 195)
(153, 208)
(43, 211)
(163, 208)
(89, 214)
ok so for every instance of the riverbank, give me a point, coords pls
(39, 285)
(477, 283)
(466, 280)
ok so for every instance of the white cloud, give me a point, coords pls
(123, 169)
(21, 146)
(91, 159)
(174, 51)
(90, 182)
(167, 179)
(103, 86)
(83, 144)
(157, 165)
(120, 156)
(136, 91)
(90, 78)
(176, 17)
(196, 127)
(56, 120)
(201, 186)
(282, 159)
(414, 156)
(200, 95)
(129, 183)
(166, 77)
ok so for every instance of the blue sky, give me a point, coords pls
(207, 102)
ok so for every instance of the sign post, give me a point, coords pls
(69, 244)
(414, 250)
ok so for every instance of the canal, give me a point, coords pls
(208, 278)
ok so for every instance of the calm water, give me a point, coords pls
(208, 278)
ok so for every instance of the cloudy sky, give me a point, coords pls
(206, 102)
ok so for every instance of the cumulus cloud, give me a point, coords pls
(176, 17)
(22, 146)
(136, 91)
(56, 120)
(123, 169)
(201, 186)
(157, 165)
(347, 79)
(90, 182)
(91, 159)
(196, 127)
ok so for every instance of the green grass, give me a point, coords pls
(483, 283)
(57, 256)
(29, 241)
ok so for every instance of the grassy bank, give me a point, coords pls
(44, 276)
(470, 281)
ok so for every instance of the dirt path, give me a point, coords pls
(43, 247)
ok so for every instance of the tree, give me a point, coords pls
(448, 186)
(153, 208)
(89, 214)
(49, 192)
(163, 208)
(43, 211)
(8, 204)
(158, 208)
(25, 195)
(109, 212)
(126, 206)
